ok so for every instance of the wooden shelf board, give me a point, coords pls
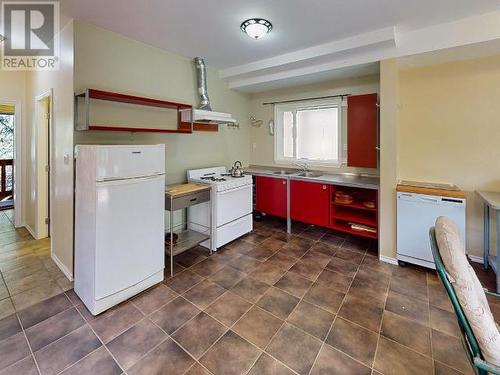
(199, 126)
(356, 205)
(358, 218)
(431, 191)
(344, 227)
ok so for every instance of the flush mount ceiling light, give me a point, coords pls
(256, 28)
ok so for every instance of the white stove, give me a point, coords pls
(231, 205)
(219, 178)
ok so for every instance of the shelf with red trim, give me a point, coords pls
(138, 130)
(90, 93)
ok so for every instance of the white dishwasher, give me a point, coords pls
(416, 214)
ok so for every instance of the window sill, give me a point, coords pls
(311, 164)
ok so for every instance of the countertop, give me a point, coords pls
(491, 198)
(179, 190)
(342, 179)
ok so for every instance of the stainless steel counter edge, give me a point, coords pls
(333, 179)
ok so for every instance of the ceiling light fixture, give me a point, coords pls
(256, 28)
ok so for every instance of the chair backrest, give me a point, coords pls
(468, 339)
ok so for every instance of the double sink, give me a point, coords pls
(299, 174)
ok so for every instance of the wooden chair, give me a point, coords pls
(480, 366)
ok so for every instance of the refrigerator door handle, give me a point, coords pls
(125, 181)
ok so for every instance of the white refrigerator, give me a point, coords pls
(119, 222)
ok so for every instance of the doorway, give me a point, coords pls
(41, 167)
(7, 156)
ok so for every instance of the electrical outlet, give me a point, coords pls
(254, 146)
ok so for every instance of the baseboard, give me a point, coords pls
(29, 229)
(475, 259)
(62, 267)
(389, 260)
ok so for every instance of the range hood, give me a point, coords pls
(204, 113)
(208, 117)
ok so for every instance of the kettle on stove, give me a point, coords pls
(236, 170)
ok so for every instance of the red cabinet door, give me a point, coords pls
(362, 129)
(271, 195)
(310, 202)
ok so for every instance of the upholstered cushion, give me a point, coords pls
(468, 289)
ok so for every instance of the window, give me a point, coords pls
(308, 132)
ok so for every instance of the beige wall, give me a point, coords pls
(108, 61)
(262, 143)
(389, 148)
(450, 130)
(61, 84)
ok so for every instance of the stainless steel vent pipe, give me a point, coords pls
(201, 75)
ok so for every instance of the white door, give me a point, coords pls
(130, 233)
(233, 204)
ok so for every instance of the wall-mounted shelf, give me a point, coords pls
(183, 127)
(141, 130)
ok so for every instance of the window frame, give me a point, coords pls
(306, 105)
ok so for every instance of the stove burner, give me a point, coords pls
(230, 175)
(212, 178)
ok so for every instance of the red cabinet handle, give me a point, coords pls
(284, 182)
(324, 187)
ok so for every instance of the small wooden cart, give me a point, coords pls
(179, 197)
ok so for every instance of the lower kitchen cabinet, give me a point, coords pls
(270, 196)
(310, 202)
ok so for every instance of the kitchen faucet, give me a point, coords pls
(303, 167)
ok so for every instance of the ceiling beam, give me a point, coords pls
(363, 49)
(338, 46)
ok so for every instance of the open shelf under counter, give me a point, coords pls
(344, 215)
(186, 240)
(343, 226)
(355, 205)
(355, 216)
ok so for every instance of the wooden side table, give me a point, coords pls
(179, 197)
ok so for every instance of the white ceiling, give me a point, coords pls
(211, 29)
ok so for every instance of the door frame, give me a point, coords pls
(44, 95)
(18, 161)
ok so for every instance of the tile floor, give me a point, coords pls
(27, 273)
(269, 303)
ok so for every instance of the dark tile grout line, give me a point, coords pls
(102, 343)
(379, 334)
(32, 354)
(337, 316)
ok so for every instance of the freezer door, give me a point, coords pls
(114, 162)
(129, 233)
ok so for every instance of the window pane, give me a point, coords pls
(288, 134)
(317, 131)
(6, 136)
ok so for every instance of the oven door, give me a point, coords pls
(233, 204)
